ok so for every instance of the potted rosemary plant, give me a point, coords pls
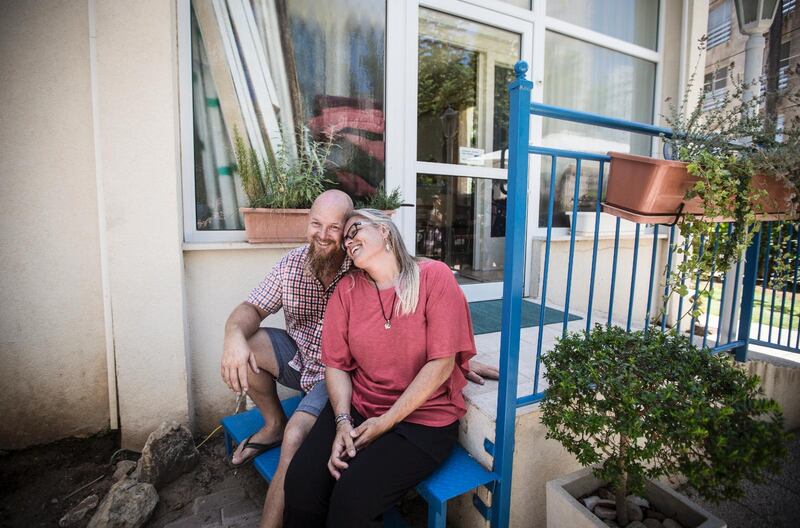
(280, 189)
(633, 407)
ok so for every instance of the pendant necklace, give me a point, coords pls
(388, 324)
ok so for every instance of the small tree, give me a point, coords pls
(643, 405)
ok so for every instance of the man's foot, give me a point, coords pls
(263, 440)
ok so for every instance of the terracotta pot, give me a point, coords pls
(275, 225)
(650, 191)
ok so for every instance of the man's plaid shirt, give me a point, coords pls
(303, 298)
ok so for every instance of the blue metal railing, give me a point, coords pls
(520, 149)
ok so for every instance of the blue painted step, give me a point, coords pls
(457, 475)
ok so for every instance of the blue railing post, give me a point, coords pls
(748, 296)
(513, 281)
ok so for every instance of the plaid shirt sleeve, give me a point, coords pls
(268, 295)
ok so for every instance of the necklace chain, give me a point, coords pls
(388, 324)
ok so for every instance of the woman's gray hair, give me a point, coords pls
(407, 286)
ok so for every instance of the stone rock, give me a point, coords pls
(168, 454)
(638, 501)
(653, 514)
(652, 523)
(124, 468)
(606, 494)
(594, 500)
(128, 505)
(77, 513)
(635, 513)
(604, 512)
(671, 523)
(609, 522)
(635, 524)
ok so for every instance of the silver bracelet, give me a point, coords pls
(344, 417)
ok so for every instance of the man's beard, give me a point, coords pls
(323, 264)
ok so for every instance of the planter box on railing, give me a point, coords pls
(275, 225)
(651, 191)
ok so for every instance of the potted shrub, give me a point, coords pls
(383, 201)
(729, 166)
(637, 406)
(280, 189)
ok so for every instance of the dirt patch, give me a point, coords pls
(36, 483)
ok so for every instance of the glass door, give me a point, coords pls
(464, 67)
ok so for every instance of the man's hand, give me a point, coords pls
(479, 372)
(369, 431)
(342, 450)
(236, 358)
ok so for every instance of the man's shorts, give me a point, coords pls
(285, 349)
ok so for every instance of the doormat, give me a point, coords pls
(487, 315)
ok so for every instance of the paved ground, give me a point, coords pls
(774, 504)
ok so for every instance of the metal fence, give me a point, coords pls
(738, 323)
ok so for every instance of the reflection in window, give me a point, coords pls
(634, 21)
(462, 109)
(581, 76)
(462, 222)
(272, 68)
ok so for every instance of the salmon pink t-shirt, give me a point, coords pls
(382, 363)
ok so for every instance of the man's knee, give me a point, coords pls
(266, 359)
(296, 432)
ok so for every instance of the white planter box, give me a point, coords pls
(565, 511)
(584, 224)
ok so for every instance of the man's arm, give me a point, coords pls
(236, 354)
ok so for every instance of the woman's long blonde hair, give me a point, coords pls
(407, 286)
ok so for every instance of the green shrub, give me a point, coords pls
(642, 405)
(283, 180)
(382, 200)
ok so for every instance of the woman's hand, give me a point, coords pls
(479, 372)
(342, 449)
(370, 430)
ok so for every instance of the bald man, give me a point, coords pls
(254, 358)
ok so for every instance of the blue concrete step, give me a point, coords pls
(457, 475)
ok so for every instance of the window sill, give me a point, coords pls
(236, 246)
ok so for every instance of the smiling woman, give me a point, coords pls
(396, 344)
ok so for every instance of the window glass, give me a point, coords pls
(719, 25)
(715, 86)
(462, 222)
(462, 109)
(635, 21)
(589, 78)
(274, 71)
(524, 4)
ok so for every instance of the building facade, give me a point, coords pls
(123, 249)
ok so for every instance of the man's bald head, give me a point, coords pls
(332, 201)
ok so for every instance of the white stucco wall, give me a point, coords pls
(52, 343)
(139, 156)
(216, 281)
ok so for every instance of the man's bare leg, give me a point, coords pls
(296, 431)
(264, 394)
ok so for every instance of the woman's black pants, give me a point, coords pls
(376, 479)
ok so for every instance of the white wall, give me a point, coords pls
(139, 156)
(53, 379)
(217, 281)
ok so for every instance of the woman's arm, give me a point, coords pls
(428, 379)
(340, 390)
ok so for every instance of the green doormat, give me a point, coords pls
(487, 315)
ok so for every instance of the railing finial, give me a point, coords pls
(520, 69)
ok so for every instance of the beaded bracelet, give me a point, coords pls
(344, 417)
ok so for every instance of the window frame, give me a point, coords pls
(400, 78)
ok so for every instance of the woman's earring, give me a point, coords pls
(388, 247)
